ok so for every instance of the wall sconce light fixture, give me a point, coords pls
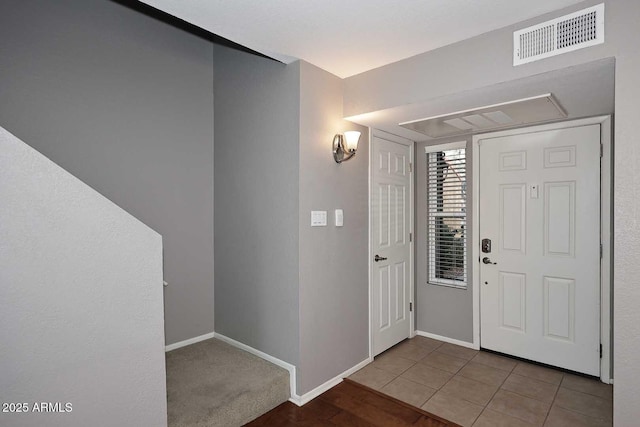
(345, 145)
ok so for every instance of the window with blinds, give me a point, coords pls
(447, 214)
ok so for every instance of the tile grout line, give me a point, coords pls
(400, 374)
(494, 394)
(583, 414)
(530, 397)
(453, 375)
(433, 350)
(414, 364)
(588, 394)
(554, 400)
(573, 410)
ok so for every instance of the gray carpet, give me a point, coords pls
(214, 384)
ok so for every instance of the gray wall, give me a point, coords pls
(274, 291)
(487, 60)
(68, 307)
(441, 310)
(474, 63)
(333, 260)
(256, 202)
(125, 103)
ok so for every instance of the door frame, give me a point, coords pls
(606, 228)
(411, 144)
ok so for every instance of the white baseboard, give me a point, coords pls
(295, 398)
(447, 339)
(301, 400)
(189, 341)
(289, 367)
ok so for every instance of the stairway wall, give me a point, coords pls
(125, 103)
(80, 301)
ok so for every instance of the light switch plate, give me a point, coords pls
(339, 218)
(318, 218)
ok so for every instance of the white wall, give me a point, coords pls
(81, 310)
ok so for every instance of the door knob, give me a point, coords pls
(486, 260)
(378, 258)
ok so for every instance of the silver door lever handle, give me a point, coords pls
(378, 258)
(486, 260)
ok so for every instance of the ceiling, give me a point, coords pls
(348, 37)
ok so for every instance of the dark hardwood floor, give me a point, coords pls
(350, 404)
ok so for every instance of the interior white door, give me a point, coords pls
(540, 280)
(390, 246)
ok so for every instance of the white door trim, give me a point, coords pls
(605, 229)
(390, 137)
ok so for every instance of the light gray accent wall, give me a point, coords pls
(80, 301)
(256, 202)
(125, 103)
(622, 19)
(441, 310)
(487, 60)
(333, 260)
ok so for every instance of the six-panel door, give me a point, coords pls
(390, 202)
(540, 206)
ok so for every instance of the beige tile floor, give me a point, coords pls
(477, 388)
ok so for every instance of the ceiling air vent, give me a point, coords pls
(570, 32)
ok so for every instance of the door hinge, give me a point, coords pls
(600, 351)
(411, 309)
(600, 250)
(601, 150)
(410, 167)
(411, 237)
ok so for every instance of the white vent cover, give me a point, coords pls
(570, 32)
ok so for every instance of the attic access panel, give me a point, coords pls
(537, 109)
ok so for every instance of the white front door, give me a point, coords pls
(390, 246)
(540, 277)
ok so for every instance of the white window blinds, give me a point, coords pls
(447, 215)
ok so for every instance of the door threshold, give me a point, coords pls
(540, 364)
